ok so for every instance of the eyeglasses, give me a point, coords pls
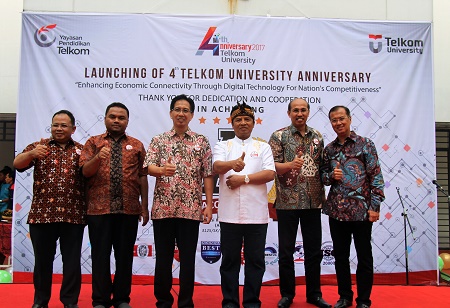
(63, 126)
(181, 110)
(335, 120)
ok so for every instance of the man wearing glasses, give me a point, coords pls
(181, 161)
(352, 169)
(58, 209)
(297, 151)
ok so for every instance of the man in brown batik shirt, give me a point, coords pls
(113, 164)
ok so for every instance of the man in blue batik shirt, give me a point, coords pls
(351, 168)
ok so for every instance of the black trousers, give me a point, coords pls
(167, 232)
(106, 232)
(311, 228)
(341, 233)
(232, 236)
(44, 239)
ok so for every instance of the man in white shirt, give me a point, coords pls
(245, 165)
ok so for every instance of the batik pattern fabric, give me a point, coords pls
(362, 186)
(298, 189)
(115, 188)
(180, 195)
(58, 187)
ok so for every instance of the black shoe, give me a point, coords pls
(319, 302)
(362, 306)
(342, 303)
(39, 306)
(284, 302)
(71, 306)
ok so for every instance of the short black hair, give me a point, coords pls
(119, 105)
(69, 114)
(6, 170)
(12, 174)
(335, 108)
(289, 105)
(182, 97)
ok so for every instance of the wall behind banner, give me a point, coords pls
(437, 11)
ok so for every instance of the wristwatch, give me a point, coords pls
(246, 179)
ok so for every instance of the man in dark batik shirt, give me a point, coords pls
(351, 167)
(58, 209)
(297, 151)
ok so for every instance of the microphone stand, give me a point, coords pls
(405, 220)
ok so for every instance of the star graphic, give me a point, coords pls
(216, 120)
(202, 120)
(259, 121)
(229, 120)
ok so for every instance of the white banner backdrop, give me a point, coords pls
(382, 71)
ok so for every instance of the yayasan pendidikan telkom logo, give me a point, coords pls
(374, 45)
(45, 36)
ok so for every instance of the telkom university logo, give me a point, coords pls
(375, 46)
(44, 36)
(206, 45)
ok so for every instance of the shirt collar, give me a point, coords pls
(108, 135)
(294, 130)
(188, 133)
(53, 141)
(246, 141)
(352, 137)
